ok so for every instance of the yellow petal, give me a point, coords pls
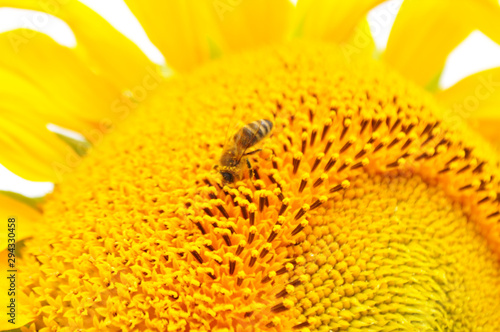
(476, 100)
(360, 43)
(109, 52)
(488, 127)
(189, 34)
(426, 31)
(245, 24)
(330, 20)
(181, 30)
(25, 216)
(20, 95)
(22, 317)
(52, 81)
(32, 151)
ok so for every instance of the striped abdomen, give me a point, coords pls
(252, 133)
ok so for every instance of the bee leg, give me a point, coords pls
(250, 169)
(252, 152)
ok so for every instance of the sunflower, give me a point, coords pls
(373, 205)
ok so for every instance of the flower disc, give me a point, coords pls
(365, 213)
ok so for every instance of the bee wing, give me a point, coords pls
(231, 127)
(231, 131)
(249, 142)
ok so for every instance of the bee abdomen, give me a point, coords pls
(254, 132)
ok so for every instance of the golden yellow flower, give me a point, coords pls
(371, 207)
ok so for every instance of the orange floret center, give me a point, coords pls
(365, 210)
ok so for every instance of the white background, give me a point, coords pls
(476, 53)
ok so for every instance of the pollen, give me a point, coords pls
(362, 211)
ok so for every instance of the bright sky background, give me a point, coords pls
(476, 53)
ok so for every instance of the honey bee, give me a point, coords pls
(235, 152)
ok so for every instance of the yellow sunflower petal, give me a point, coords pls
(426, 31)
(488, 127)
(32, 151)
(25, 216)
(360, 43)
(108, 51)
(246, 24)
(330, 20)
(475, 99)
(189, 34)
(51, 80)
(180, 29)
(14, 99)
(21, 316)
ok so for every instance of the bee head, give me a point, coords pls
(229, 174)
(227, 177)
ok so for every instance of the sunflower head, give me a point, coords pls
(352, 218)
